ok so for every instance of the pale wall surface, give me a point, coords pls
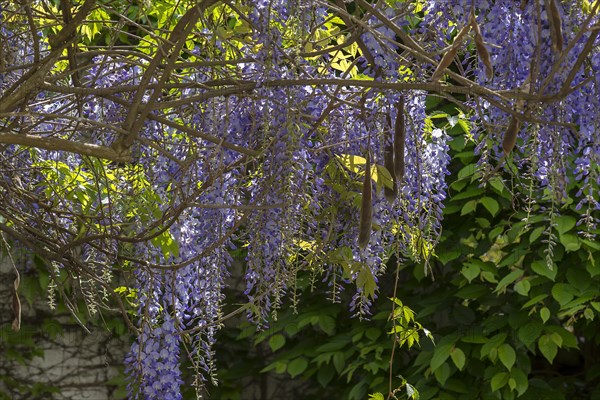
(77, 363)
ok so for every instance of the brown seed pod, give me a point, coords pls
(16, 306)
(399, 139)
(444, 63)
(388, 161)
(366, 208)
(482, 51)
(474, 24)
(450, 54)
(510, 136)
(461, 35)
(555, 25)
(484, 55)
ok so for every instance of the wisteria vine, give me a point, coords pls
(139, 158)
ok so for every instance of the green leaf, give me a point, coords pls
(448, 255)
(592, 267)
(491, 205)
(458, 358)
(366, 281)
(499, 380)
(497, 184)
(279, 367)
(541, 268)
(494, 233)
(472, 291)
(530, 332)
(29, 288)
(489, 276)
(297, 366)
(547, 347)
(508, 279)
(470, 271)
(591, 245)
(537, 232)
(492, 345)
(534, 301)
(467, 171)
(522, 287)
(464, 125)
(568, 338)
(336, 344)
(276, 342)
(507, 355)
(442, 373)
(545, 314)
(570, 242)
(352, 162)
(459, 185)
(339, 361)
(483, 222)
(563, 293)
(292, 329)
(556, 338)
(376, 396)
(327, 324)
(469, 207)
(358, 391)
(564, 223)
(521, 380)
(325, 374)
(440, 355)
(373, 333)
(579, 278)
(474, 338)
(475, 192)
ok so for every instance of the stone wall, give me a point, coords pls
(52, 357)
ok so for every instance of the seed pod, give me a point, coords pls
(444, 63)
(388, 161)
(399, 139)
(555, 25)
(484, 55)
(461, 35)
(366, 208)
(450, 54)
(482, 51)
(510, 136)
(16, 306)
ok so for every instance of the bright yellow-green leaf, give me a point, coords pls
(458, 358)
(507, 355)
(366, 281)
(544, 314)
(499, 381)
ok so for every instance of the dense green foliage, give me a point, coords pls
(506, 325)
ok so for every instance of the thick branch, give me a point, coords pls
(50, 143)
